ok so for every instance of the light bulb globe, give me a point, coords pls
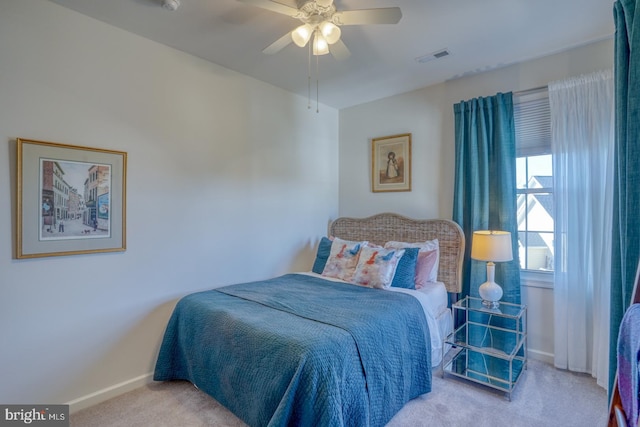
(301, 35)
(330, 31)
(320, 45)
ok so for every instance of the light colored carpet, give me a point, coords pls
(545, 396)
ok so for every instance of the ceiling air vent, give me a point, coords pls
(433, 55)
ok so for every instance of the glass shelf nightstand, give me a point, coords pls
(489, 346)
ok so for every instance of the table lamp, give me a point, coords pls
(491, 246)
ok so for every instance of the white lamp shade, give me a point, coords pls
(330, 31)
(302, 34)
(320, 45)
(491, 245)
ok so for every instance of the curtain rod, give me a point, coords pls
(528, 91)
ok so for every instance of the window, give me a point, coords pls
(534, 181)
(535, 212)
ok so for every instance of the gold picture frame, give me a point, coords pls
(391, 163)
(70, 199)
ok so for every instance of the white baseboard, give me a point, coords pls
(109, 392)
(541, 356)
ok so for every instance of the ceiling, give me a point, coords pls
(479, 35)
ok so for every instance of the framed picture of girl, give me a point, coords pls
(391, 163)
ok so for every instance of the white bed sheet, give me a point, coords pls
(434, 299)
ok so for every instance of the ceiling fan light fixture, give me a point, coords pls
(324, 3)
(171, 5)
(302, 34)
(330, 31)
(320, 45)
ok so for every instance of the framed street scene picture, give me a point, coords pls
(391, 163)
(70, 199)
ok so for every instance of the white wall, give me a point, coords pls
(229, 180)
(428, 114)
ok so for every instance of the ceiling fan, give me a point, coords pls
(321, 21)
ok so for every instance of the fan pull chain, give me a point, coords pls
(317, 85)
(309, 79)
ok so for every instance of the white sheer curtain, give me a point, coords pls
(582, 137)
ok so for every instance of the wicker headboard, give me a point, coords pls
(385, 227)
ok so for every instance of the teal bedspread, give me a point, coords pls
(300, 350)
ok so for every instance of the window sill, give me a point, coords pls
(536, 279)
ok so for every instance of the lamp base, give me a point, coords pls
(491, 304)
(490, 292)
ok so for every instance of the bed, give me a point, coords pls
(306, 349)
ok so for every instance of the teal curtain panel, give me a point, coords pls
(485, 199)
(626, 191)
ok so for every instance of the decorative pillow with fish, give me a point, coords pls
(377, 266)
(343, 259)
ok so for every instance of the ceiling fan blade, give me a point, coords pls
(386, 15)
(278, 45)
(339, 50)
(273, 6)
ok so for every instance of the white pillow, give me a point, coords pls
(377, 266)
(343, 259)
(428, 259)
